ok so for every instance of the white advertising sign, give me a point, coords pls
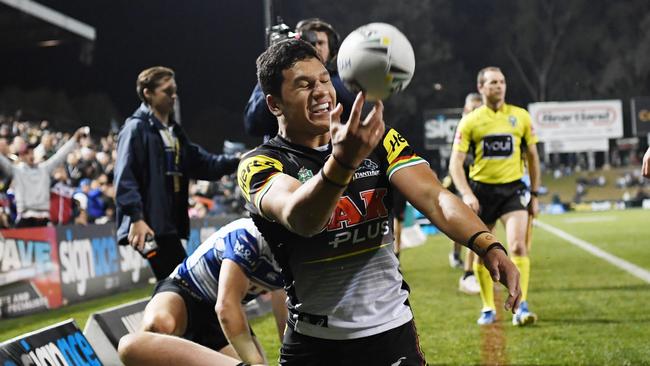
(576, 145)
(586, 120)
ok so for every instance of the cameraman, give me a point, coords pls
(258, 120)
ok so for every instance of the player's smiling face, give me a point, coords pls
(308, 97)
(494, 87)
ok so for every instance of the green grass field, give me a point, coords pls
(591, 312)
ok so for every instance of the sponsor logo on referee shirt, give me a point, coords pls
(497, 146)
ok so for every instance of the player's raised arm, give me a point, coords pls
(421, 187)
(305, 208)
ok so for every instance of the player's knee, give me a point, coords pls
(161, 322)
(518, 248)
(127, 346)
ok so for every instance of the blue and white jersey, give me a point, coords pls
(241, 242)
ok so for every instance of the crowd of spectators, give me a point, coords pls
(82, 189)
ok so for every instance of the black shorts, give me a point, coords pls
(398, 346)
(202, 323)
(499, 199)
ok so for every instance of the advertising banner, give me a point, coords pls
(585, 120)
(60, 344)
(576, 145)
(640, 116)
(92, 264)
(440, 127)
(45, 268)
(105, 328)
(29, 271)
(201, 229)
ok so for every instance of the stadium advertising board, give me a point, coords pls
(60, 344)
(640, 116)
(29, 271)
(440, 127)
(201, 229)
(584, 120)
(92, 264)
(105, 328)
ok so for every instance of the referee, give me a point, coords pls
(501, 137)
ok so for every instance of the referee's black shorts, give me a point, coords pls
(497, 200)
(398, 346)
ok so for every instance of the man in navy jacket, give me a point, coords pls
(258, 120)
(155, 161)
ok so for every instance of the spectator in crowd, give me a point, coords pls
(72, 168)
(31, 181)
(45, 149)
(645, 168)
(155, 161)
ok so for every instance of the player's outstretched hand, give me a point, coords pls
(503, 270)
(354, 140)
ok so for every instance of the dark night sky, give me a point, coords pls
(212, 45)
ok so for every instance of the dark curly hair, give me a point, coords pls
(279, 57)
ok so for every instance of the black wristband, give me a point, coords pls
(495, 245)
(342, 164)
(243, 364)
(480, 251)
(331, 182)
(470, 242)
(534, 193)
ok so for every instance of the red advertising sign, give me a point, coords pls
(29, 271)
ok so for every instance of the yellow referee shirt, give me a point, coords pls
(497, 139)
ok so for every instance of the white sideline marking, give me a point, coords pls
(633, 269)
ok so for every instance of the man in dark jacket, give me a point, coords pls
(155, 161)
(258, 120)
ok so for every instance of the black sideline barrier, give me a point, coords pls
(104, 329)
(60, 344)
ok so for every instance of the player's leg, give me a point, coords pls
(146, 348)
(166, 312)
(455, 260)
(488, 312)
(468, 282)
(516, 223)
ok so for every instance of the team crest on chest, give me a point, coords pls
(304, 174)
(513, 120)
(368, 168)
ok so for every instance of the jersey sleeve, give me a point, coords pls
(462, 137)
(255, 176)
(399, 153)
(529, 130)
(241, 247)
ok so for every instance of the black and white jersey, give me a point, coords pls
(344, 282)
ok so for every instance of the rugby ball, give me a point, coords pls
(376, 58)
